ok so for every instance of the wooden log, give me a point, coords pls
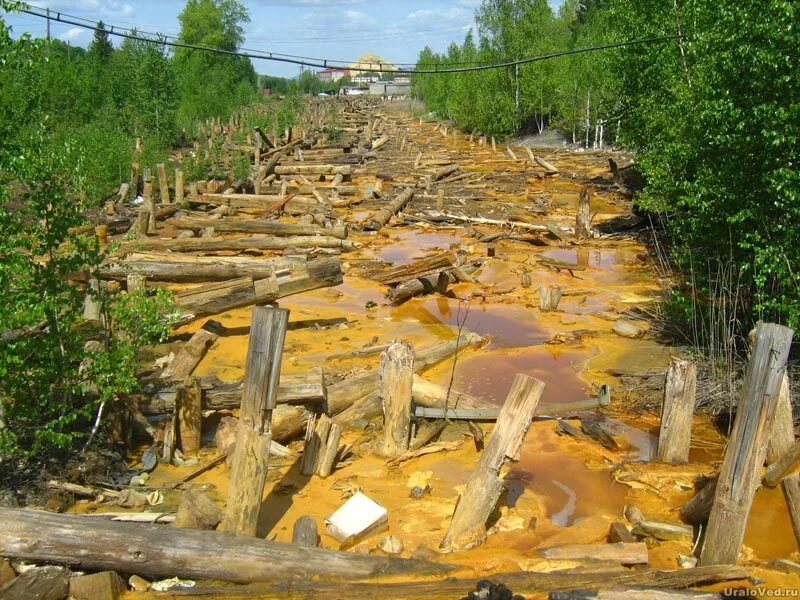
(468, 526)
(163, 183)
(316, 438)
(260, 226)
(677, 411)
(583, 218)
(417, 268)
(625, 554)
(527, 583)
(424, 285)
(99, 544)
(186, 268)
(297, 169)
(663, 531)
(781, 438)
(253, 438)
(444, 172)
(255, 242)
(197, 511)
(395, 381)
(549, 297)
(747, 446)
(380, 218)
(785, 466)
(189, 404)
(190, 355)
(149, 205)
(304, 532)
(219, 297)
(551, 170)
(142, 223)
(295, 388)
(619, 532)
(431, 395)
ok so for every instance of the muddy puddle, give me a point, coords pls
(563, 490)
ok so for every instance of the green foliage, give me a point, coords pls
(717, 124)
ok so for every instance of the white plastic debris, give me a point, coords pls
(167, 584)
(357, 517)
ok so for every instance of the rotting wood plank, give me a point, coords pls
(468, 527)
(677, 412)
(747, 446)
(259, 226)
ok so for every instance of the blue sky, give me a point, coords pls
(332, 29)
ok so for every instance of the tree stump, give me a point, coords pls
(395, 383)
(549, 297)
(583, 218)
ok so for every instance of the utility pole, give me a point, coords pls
(48, 24)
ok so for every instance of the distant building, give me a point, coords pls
(389, 88)
(333, 74)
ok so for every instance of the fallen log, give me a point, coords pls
(186, 268)
(418, 268)
(380, 218)
(426, 285)
(468, 527)
(190, 355)
(260, 226)
(226, 295)
(444, 172)
(147, 550)
(303, 169)
(255, 242)
(299, 388)
(524, 583)
(625, 554)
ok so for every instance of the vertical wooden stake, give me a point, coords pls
(677, 410)
(549, 297)
(142, 223)
(780, 441)
(583, 217)
(257, 150)
(135, 283)
(163, 183)
(468, 527)
(188, 406)
(440, 200)
(395, 377)
(179, 186)
(254, 436)
(747, 447)
(150, 206)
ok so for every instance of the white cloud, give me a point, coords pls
(72, 34)
(102, 8)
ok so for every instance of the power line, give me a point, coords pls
(326, 63)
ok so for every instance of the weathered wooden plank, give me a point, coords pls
(677, 411)
(747, 446)
(260, 226)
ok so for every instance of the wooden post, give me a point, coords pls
(583, 218)
(781, 439)
(163, 183)
(327, 454)
(468, 527)
(440, 200)
(150, 206)
(395, 383)
(179, 186)
(188, 405)
(91, 301)
(304, 532)
(135, 283)
(747, 446)
(677, 411)
(257, 150)
(249, 471)
(549, 297)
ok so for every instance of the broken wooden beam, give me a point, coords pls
(394, 381)
(302, 169)
(427, 284)
(99, 544)
(677, 412)
(254, 436)
(190, 355)
(468, 526)
(623, 553)
(747, 446)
